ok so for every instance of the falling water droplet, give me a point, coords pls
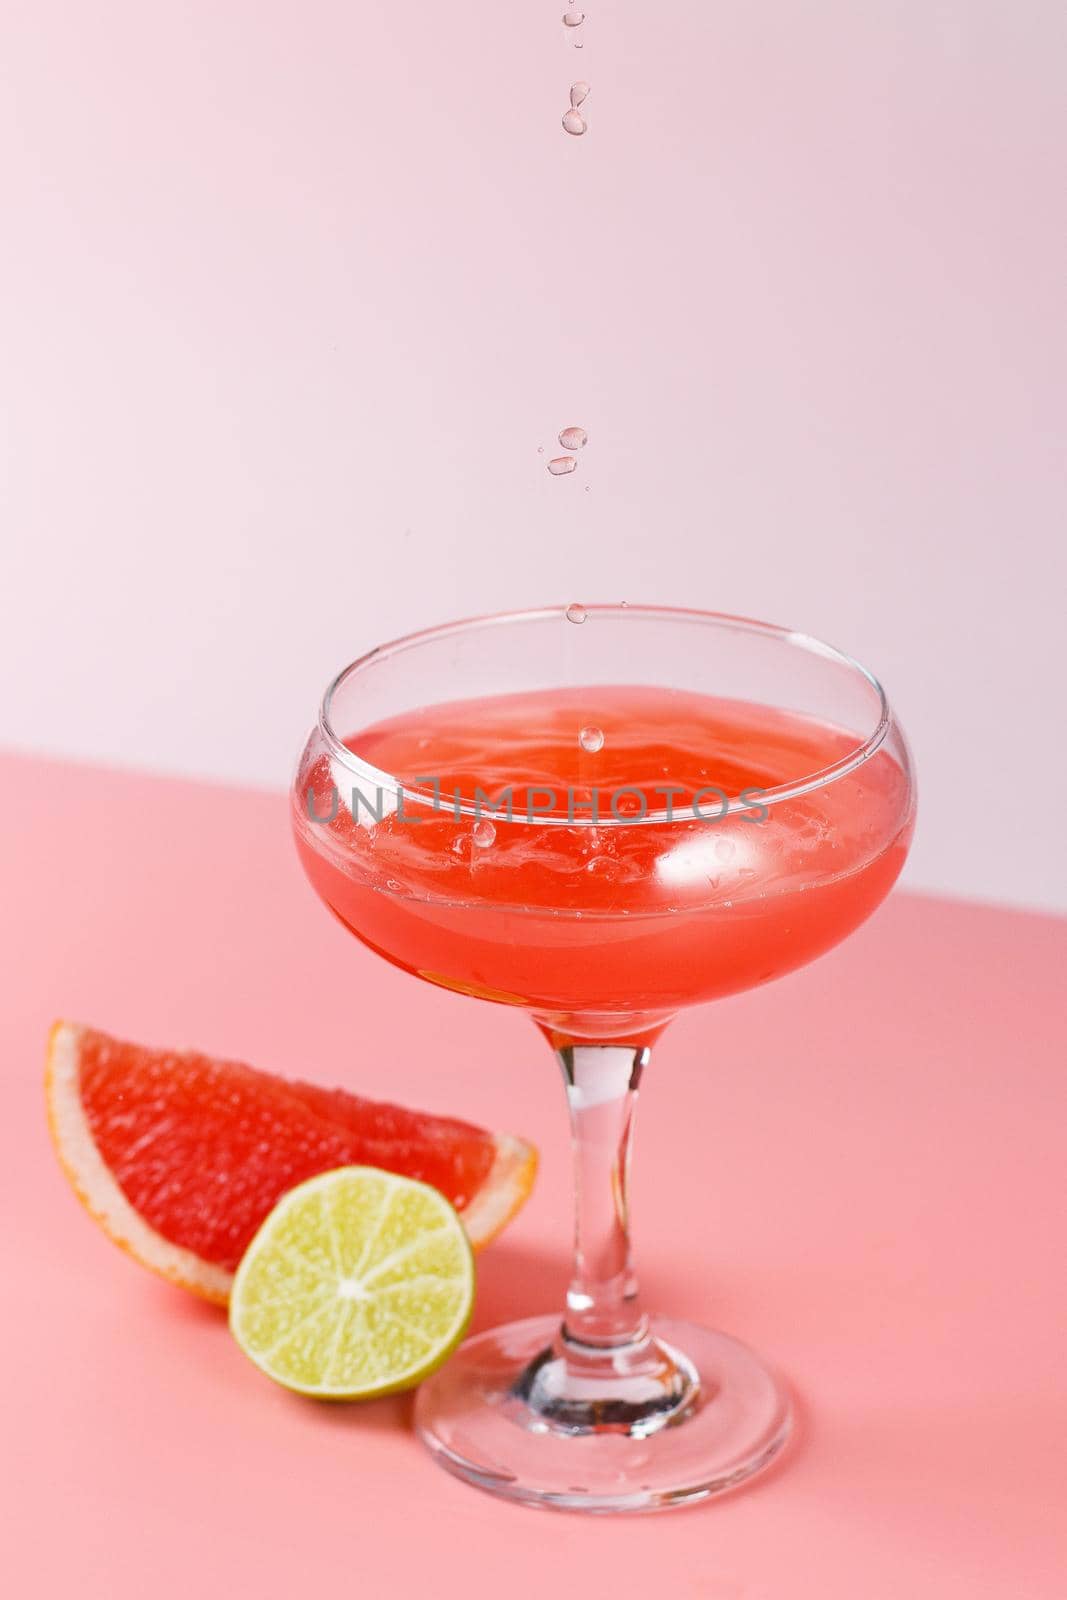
(579, 92)
(574, 122)
(573, 438)
(559, 465)
(576, 613)
(483, 833)
(591, 739)
(573, 18)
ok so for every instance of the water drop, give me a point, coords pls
(591, 739)
(577, 44)
(459, 846)
(483, 833)
(590, 837)
(579, 92)
(573, 438)
(559, 465)
(540, 449)
(576, 613)
(574, 122)
(573, 18)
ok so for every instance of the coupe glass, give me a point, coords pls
(601, 920)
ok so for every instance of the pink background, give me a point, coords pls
(289, 297)
(292, 293)
(859, 1170)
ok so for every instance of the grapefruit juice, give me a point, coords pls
(601, 856)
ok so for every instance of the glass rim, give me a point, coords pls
(381, 780)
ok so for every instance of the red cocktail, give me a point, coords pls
(600, 817)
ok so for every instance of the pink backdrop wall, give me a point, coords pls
(292, 294)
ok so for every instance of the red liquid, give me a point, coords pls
(596, 928)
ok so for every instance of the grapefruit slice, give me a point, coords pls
(180, 1156)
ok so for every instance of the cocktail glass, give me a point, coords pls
(601, 815)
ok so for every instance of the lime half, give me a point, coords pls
(359, 1283)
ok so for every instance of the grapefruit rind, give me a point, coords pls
(96, 1188)
(503, 1192)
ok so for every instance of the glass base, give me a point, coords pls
(513, 1413)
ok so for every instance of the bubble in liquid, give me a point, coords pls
(560, 465)
(483, 833)
(573, 438)
(591, 739)
(574, 122)
(573, 18)
(576, 613)
(579, 92)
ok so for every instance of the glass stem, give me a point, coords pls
(601, 1080)
(603, 1372)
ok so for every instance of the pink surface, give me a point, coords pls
(860, 1171)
